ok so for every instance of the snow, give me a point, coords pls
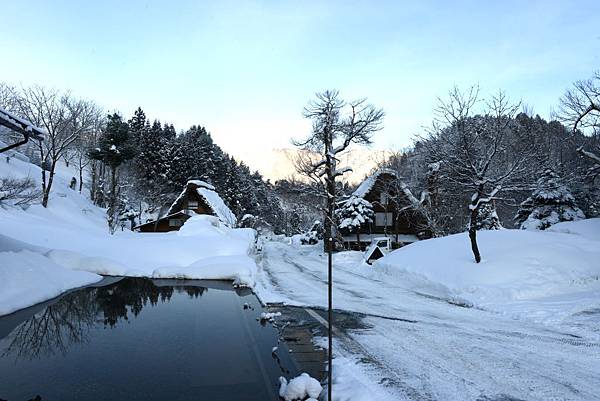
(238, 268)
(11, 118)
(589, 228)
(366, 186)
(299, 388)
(218, 206)
(71, 238)
(517, 266)
(269, 315)
(27, 278)
(524, 323)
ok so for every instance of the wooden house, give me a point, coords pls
(197, 197)
(393, 215)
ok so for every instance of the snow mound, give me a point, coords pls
(27, 278)
(99, 265)
(240, 269)
(589, 228)
(516, 265)
(299, 388)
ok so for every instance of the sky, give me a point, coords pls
(246, 69)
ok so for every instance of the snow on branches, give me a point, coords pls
(551, 202)
(354, 212)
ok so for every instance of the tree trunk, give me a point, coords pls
(80, 179)
(112, 203)
(48, 186)
(93, 183)
(358, 238)
(473, 235)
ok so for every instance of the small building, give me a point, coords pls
(197, 197)
(394, 217)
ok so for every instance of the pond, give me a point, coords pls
(142, 339)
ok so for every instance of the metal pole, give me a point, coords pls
(330, 317)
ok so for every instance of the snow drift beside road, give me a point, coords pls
(517, 265)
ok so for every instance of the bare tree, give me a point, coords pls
(86, 140)
(18, 192)
(580, 109)
(336, 125)
(477, 153)
(63, 117)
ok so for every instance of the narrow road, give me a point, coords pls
(421, 343)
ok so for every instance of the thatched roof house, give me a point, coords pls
(197, 197)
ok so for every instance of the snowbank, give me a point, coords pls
(240, 269)
(27, 278)
(517, 265)
(71, 237)
(589, 228)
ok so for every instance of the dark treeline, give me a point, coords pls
(437, 170)
(160, 162)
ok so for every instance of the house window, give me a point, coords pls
(175, 222)
(383, 198)
(384, 219)
(192, 204)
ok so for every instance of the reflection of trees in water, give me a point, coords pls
(56, 327)
(69, 320)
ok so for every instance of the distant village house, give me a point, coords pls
(394, 217)
(197, 197)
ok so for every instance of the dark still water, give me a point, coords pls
(139, 339)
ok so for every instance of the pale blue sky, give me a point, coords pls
(246, 69)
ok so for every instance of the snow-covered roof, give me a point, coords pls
(202, 184)
(217, 205)
(366, 186)
(212, 199)
(17, 123)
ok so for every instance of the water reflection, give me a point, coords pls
(69, 320)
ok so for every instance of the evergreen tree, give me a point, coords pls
(551, 202)
(137, 125)
(353, 213)
(113, 149)
(153, 160)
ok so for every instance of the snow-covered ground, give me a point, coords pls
(525, 323)
(45, 251)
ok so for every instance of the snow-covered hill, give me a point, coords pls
(45, 251)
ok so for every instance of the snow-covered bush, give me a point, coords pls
(488, 218)
(313, 235)
(551, 202)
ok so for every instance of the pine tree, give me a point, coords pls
(153, 160)
(551, 202)
(137, 125)
(113, 149)
(353, 214)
